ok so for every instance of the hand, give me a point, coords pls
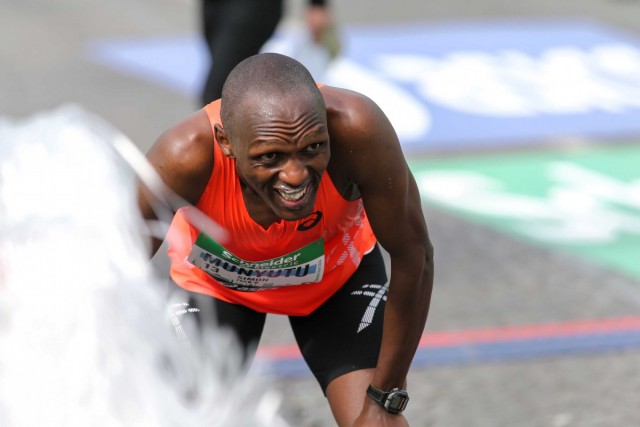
(374, 415)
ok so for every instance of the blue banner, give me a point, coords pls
(456, 86)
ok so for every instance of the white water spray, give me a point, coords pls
(84, 335)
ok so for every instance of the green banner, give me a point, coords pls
(582, 200)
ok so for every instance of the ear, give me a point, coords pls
(223, 141)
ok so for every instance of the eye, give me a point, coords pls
(316, 146)
(268, 157)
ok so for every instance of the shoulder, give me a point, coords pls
(183, 155)
(188, 144)
(361, 136)
(349, 111)
(356, 122)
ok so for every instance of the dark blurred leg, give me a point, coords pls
(235, 30)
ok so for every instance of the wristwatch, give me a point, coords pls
(393, 401)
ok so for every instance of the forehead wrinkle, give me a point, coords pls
(292, 128)
(269, 118)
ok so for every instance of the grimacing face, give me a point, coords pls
(281, 150)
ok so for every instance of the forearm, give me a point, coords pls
(405, 316)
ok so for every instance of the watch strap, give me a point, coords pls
(375, 394)
(393, 401)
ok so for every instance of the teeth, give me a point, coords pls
(292, 195)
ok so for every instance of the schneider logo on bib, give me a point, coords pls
(305, 265)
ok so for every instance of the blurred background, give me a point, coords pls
(521, 122)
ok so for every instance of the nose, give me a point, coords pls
(294, 173)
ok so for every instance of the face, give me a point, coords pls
(281, 151)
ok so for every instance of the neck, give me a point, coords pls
(258, 210)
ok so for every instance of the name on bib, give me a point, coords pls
(302, 266)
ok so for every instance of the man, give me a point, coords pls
(305, 180)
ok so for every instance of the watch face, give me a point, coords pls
(394, 401)
(397, 401)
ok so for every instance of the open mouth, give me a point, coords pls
(293, 198)
(293, 195)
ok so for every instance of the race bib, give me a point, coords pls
(305, 265)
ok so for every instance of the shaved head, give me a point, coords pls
(266, 76)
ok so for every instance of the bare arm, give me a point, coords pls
(368, 151)
(183, 158)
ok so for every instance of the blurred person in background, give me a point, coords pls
(237, 29)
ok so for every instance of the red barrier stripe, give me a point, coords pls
(489, 335)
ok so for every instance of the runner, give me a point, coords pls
(306, 179)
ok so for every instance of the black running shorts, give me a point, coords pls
(341, 336)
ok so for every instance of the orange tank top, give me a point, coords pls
(290, 268)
